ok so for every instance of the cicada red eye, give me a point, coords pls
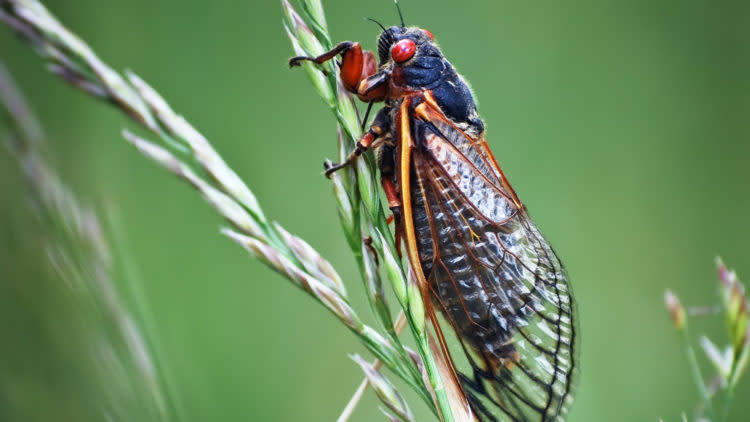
(403, 50)
(429, 34)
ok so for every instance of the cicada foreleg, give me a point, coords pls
(359, 70)
(328, 55)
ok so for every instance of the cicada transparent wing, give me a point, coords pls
(494, 277)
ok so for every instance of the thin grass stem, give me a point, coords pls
(696, 373)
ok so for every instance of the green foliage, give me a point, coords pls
(729, 362)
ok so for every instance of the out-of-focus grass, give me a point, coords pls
(90, 359)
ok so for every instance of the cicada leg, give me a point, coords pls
(359, 70)
(377, 131)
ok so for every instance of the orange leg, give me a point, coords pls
(373, 137)
(356, 67)
(364, 143)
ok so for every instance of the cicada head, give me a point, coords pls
(412, 56)
(390, 36)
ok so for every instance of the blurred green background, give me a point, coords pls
(623, 126)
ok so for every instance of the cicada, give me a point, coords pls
(478, 255)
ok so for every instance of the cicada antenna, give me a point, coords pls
(400, 15)
(379, 24)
